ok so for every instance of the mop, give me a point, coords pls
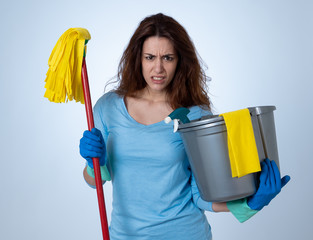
(67, 80)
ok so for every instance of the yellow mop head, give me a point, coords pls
(63, 81)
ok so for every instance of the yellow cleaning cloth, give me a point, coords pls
(243, 153)
(63, 81)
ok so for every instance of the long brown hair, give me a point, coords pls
(189, 85)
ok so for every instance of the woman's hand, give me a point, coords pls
(270, 185)
(92, 146)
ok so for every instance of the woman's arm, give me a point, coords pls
(92, 146)
(220, 207)
(90, 180)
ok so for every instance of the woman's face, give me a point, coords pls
(159, 61)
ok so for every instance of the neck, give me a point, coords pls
(153, 96)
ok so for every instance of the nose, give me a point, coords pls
(158, 67)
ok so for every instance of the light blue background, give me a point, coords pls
(257, 52)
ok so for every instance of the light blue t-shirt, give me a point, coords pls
(154, 193)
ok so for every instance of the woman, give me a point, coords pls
(154, 192)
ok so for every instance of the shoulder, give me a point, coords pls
(197, 112)
(107, 108)
(108, 99)
(107, 102)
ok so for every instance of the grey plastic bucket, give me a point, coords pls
(205, 141)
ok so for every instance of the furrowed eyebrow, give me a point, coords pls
(168, 54)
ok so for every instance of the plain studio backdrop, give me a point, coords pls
(257, 53)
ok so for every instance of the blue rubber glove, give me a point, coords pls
(92, 146)
(270, 185)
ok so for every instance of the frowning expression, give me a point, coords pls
(159, 61)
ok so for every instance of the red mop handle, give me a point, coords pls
(96, 165)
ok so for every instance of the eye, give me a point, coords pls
(149, 57)
(168, 58)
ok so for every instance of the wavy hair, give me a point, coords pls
(189, 85)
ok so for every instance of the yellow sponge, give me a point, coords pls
(242, 149)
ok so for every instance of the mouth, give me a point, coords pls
(158, 79)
